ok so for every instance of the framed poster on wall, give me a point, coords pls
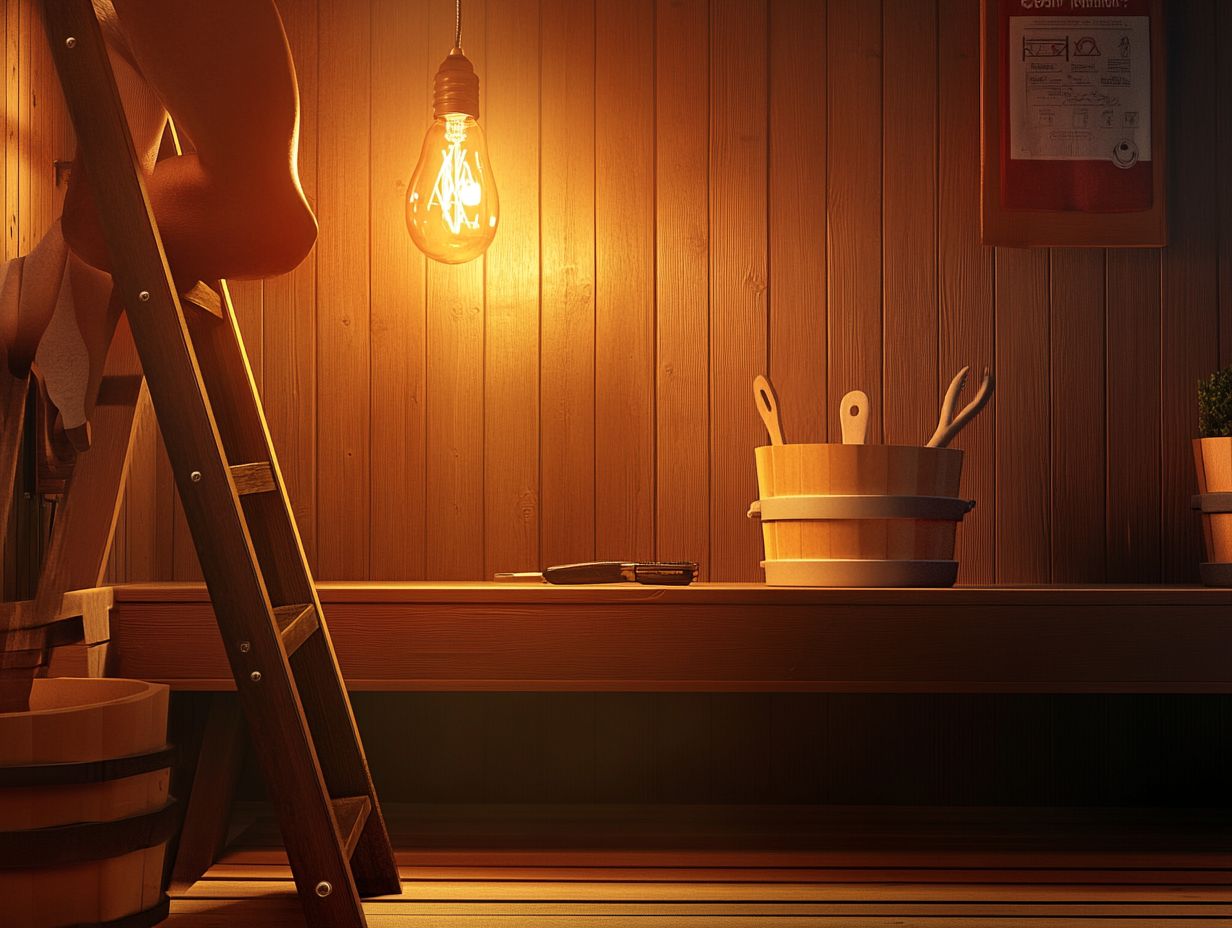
(1073, 123)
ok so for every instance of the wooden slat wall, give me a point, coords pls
(691, 192)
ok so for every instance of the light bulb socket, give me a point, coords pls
(456, 89)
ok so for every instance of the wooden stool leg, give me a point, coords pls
(213, 788)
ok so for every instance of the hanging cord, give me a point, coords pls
(457, 27)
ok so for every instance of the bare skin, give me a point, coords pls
(234, 207)
(230, 207)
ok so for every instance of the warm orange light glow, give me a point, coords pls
(452, 207)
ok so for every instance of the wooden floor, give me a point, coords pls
(729, 866)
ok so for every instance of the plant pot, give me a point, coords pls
(84, 808)
(1213, 462)
(859, 515)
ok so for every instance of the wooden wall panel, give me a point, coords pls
(1077, 376)
(1023, 427)
(511, 344)
(853, 234)
(398, 119)
(738, 306)
(909, 212)
(797, 218)
(694, 190)
(965, 275)
(1190, 277)
(567, 282)
(682, 268)
(624, 280)
(1133, 390)
(344, 433)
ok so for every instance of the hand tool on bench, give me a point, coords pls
(665, 573)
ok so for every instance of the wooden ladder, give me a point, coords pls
(206, 402)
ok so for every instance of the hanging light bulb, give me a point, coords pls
(451, 204)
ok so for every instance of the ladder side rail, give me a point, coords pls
(245, 434)
(203, 478)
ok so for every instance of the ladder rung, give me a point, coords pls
(253, 478)
(203, 295)
(350, 815)
(295, 624)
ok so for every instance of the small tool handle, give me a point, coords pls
(853, 413)
(768, 407)
(672, 573)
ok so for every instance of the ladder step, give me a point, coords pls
(253, 478)
(204, 296)
(351, 814)
(295, 624)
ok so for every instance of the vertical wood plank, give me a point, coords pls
(965, 273)
(1223, 13)
(909, 246)
(682, 235)
(511, 352)
(1076, 348)
(248, 298)
(567, 282)
(1189, 281)
(854, 234)
(401, 114)
(455, 399)
(797, 217)
(343, 424)
(1023, 472)
(289, 367)
(624, 280)
(1134, 414)
(738, 278)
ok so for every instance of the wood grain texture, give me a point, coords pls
(1023, 416)
(714, 638)
(344, 424)
(682, 269)
(1077, 372)
(1189, 302)
(511, 287)
(399, 117)
(289, 372)
(455, 367)
(909, 246)
(965, 275)
(416, 370)
(797, 217)
(567, 282)
(738, 276)
(854, 203)
(624, 280)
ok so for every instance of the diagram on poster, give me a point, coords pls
(1080, 89)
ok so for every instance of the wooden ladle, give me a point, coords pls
(768, 407)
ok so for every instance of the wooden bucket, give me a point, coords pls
(859, 515)
(85, 814)
(1213, 461)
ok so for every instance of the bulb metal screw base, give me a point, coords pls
(456, 88)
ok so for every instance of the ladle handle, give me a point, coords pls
(768, 407)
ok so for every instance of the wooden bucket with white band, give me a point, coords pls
(859, 515)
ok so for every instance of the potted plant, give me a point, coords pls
(1213, 459)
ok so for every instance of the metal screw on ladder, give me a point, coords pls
(195, 476)
(324, 889)
(255, 676)
(245, 647)
(144, 296)
(70, 42)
